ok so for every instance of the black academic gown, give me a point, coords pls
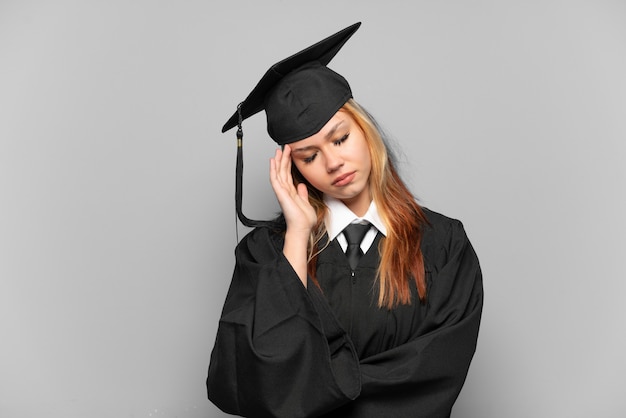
(283, 350)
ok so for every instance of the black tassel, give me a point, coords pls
(239, 181)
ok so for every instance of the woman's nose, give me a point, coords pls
(333, 161)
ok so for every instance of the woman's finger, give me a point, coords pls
(284, 164)
(288, 162)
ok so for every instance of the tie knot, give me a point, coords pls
(355, 232)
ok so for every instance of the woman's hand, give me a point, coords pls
(294, 201)
(299, 214)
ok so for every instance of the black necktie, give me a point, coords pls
(354, 234)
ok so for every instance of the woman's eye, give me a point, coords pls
(342, 139)
(310, 159)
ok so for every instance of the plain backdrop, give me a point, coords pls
(117, 223)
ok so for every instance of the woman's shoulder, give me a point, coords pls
(438, 221)
(263, 239)
(442, 230)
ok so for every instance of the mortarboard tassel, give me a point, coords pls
(239, 180)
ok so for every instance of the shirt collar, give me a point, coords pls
(339, 216)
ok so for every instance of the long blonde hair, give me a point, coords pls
(401, 259)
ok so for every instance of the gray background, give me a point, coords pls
(117, 216)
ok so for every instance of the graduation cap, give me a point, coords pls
(299, 94)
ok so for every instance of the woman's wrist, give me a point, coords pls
(295, 250)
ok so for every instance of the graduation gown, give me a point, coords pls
(283, 350)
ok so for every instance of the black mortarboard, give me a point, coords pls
(299, 95)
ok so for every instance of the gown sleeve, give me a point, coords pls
(423, 377)
(272, 356)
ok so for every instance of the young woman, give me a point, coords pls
(315, 325)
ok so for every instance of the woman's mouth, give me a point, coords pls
(344, 179)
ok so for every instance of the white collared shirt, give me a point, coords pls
(339, 216)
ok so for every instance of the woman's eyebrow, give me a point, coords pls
(332, 131)
(301, 149)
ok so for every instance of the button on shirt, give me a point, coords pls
(339, 216)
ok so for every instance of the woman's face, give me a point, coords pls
(337, 161)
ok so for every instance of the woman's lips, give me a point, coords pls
(344, 179)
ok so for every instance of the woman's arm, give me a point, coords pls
(299, 214)
(272, 355)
